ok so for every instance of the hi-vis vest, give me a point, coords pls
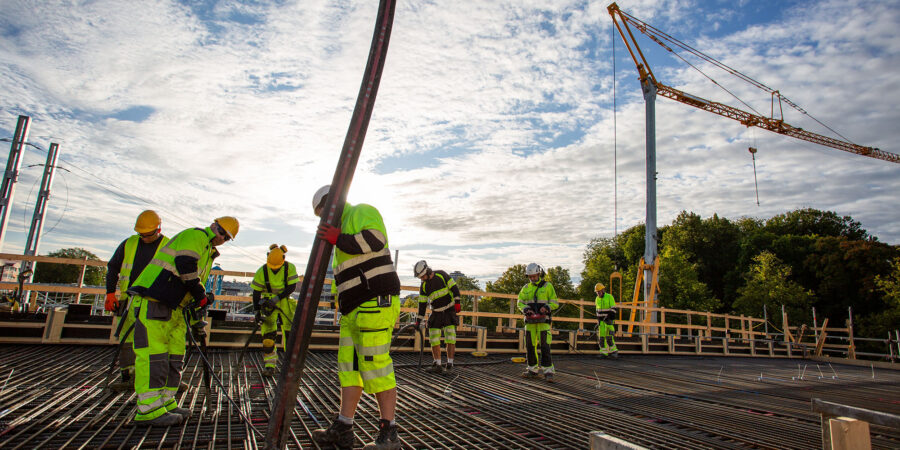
(437, 299)
(161, 279)
(267, 282)
(369, 273)
(128, 263)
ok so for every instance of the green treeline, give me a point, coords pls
(802, 259)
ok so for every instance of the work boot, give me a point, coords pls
(449, 367)
(338, 434)
(166, 420)
(529, 374)
(387, 437)
(548, 377)
(268, 372)
(435, 368)
(126, 384)
(614, 355)
(183, 412)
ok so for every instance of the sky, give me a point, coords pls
(504, 132)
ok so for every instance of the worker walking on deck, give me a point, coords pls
(129, 259)
(368, 296)
(273, 285)
(171, 284)
(439, 290)
(537, 300)
(606, 314)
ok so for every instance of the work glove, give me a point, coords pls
(545, 310)
(457, 307)
(199, 304)
(418, 323)
(329, 233)
(112, 302)
(258, 316)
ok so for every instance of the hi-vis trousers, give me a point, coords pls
(538, 338)
(159, 344)
(364, 354)
(269, 329)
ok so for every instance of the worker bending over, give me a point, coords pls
(172, 283)
(368, 295)
(272, 287)
(439, 291)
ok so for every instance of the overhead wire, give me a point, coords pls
(123, 194)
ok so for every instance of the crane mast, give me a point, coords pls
(775, 125)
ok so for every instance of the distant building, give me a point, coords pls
(456, 274)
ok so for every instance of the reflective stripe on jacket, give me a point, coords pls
(178, 271)
(362, 263)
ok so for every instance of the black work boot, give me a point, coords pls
(435, 368)
(387, 437)
(166, 420)
(126, 384)
(338, 434)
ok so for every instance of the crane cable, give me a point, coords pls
(657, 35)
(615, 144)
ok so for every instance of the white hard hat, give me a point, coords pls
(534, 269)
(420, 268)
(320, 195)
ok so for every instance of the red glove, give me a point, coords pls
(457, 307)
(200, 303)
(329, 233)
(545, 310)
(112, 302)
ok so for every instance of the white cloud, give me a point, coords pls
(491, 143)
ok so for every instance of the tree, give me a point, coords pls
(598, 265)
(510, 282)
(465, 283)
(887, 320)
(808, 221)
(68, 273)
(769, 284)
(680, 287)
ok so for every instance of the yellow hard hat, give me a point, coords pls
(147, 221)
(229, 224)
(599, 287)
(275, 257)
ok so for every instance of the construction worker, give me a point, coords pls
(606, 314)
(537, 300)
(368, 295)
(273, 285)
(439, 290)
(172, 284)
(132, 255)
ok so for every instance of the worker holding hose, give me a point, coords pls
(438, 290)
(367, 289)
(537, 300)
(606, 314)
(130, 258)
(272, 287)
(170, 285)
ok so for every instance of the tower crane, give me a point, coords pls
(777, 125)
(624, 22)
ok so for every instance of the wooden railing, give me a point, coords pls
(677, 332)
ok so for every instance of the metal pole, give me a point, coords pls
(8, 188)
(815, 331)
(766, 318)
(650, 241)
(40, 209)
(311, 289)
